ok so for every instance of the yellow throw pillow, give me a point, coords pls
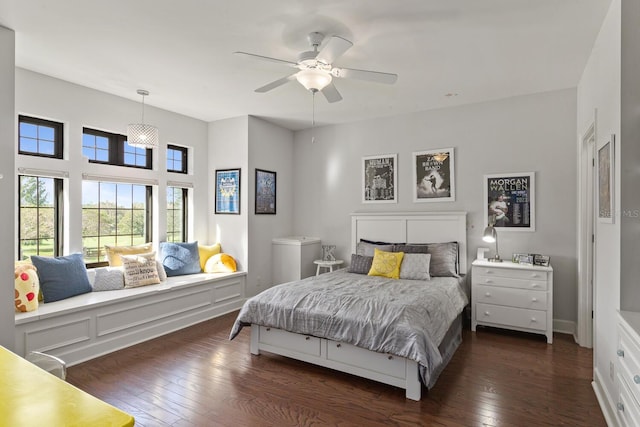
(114, 252)
(207, 252)
(28, 262)
(220, 263)
(386, 264)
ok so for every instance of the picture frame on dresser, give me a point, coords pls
(605, 181)
(227, 195)
(510, 201)
(379, 178)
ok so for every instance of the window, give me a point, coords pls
(113, 214)
(176, 214)
(39, 216)
(39, 137)
(176, 159)
(113, 149)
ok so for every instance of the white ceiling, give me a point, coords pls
(182, 51)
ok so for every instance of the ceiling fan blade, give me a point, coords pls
(331, 93)
(371, 76)
(334, 49)
(276, 83)
(267, 58)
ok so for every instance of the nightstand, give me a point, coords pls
(326, 264)
(512, 296)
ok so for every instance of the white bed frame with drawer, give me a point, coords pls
(409, 227)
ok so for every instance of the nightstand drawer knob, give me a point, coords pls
(534, 275)
(533, 320)
(487, 294)
(620, 353)
(534, 285)
(390, 357)
(488, 281)
(486, 313)
(338, 345)
(620, 406)
(307, 338)
(534, 299)
(268, 329)
(636, 379)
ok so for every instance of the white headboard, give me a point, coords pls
(412, 227)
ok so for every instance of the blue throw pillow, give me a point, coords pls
(61, 277)
(180, 258)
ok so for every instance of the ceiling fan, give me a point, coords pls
(316, 71)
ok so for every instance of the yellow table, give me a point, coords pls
(31, 396)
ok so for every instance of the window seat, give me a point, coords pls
(86, 326)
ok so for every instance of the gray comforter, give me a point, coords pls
(407, 318)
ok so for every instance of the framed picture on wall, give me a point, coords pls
(379, 177)
(510, 201)
(433, 176)
(605, 181)
(265, 192)
(227, 198)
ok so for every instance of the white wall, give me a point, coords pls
(77, 107)
(599, 89)
(522, 134)
(229, 149)
(270, 148)
(7, 183)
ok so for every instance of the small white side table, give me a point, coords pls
(326, 264)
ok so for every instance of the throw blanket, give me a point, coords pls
(407, 318)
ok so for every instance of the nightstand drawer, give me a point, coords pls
(537, 285)
(626, 406)
(628, 353)
(510, 316)
(511, 297)
(510, 273)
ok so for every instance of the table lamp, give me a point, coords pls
(491, 235)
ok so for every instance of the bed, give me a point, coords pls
(396, 331)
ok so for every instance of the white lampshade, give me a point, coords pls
(314, 79)
(142, 136)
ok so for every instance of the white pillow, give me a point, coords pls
(140, 270)
(415, 267)
(108, 279)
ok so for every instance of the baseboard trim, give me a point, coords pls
(564, 326)
(604, 399)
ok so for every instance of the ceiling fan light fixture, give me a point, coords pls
(313, 79)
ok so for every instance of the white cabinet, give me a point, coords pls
(293, 258)
(628, 377)
(512, 296)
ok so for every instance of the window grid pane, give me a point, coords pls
(176, 217)
(112, 214)
(39, 137)
(38, 216)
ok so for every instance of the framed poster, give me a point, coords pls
(379, 177)
(227, 199)
(433, 176)
(605, 181)
(265, 192)
(510, 201)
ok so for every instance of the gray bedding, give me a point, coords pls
(407, 318)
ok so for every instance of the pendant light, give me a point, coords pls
(142, 135)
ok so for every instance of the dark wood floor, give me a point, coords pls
(197, 377)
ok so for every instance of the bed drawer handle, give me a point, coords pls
(307, 338)
(338, 345)
(636, 379)
(390, 357)
(620, 353)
